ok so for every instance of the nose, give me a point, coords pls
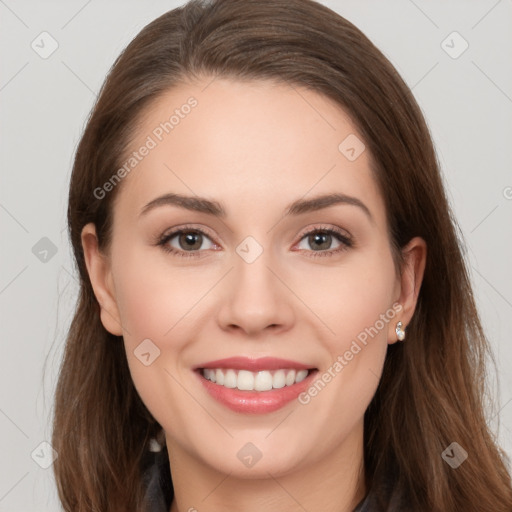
(256, 299)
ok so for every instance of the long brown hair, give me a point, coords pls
(433, 389)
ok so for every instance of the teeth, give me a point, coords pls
(230, 380)
(254, 381)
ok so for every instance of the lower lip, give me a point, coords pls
(255, 402)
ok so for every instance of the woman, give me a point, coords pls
(274, 308)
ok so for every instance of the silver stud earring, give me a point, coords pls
(400, 332)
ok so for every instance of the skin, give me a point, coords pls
(254, 147)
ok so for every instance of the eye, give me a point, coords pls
(322, 238)
(188, 242)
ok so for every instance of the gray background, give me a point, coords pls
(467, 102)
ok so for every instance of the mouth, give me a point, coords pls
(246, 384)
(259, 381)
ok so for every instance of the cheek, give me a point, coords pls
(355, 303)
(153, 296)
(353, 300)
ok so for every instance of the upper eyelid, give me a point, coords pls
(170, 233)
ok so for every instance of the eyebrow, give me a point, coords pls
(298, 207)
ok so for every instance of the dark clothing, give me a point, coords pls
(159, 490)
(158, 483)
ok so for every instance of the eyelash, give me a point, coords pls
(343, 239)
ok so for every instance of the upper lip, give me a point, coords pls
(254, 365)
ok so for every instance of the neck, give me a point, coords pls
(331, 483)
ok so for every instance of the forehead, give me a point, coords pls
(256, 144)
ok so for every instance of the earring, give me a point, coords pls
(400, 332)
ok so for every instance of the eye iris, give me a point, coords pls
(321, 238)
(192, 240)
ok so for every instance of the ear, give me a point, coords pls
(98, 267)
(409, 283)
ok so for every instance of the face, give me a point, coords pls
(314, 285)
